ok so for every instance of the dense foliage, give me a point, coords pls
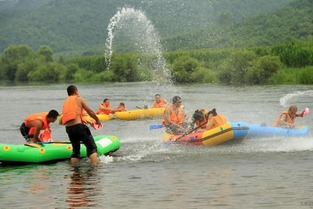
(285, 63)
(81, 26)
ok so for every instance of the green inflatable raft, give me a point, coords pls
(52, 151)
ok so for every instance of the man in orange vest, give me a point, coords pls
(174, 117)
(288, 118)
(159, 102)
(73, 108)
(33, 124)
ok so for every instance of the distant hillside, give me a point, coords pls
(71, 25)
(293, 21)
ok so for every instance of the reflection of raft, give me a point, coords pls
(231, 132)
(140, 114)
(263, 131)
(54, 151)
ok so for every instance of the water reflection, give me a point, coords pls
(82, 188)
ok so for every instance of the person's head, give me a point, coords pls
(122, 104)
(157, 98)
(292, 110)
(177, 101)
(52, 116)
(106, 101)
(199, 117)
(72, 90)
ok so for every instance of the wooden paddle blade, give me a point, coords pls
(33, 145)
(156, 126)
(54, 142)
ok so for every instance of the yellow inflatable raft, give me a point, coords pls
(233, 132)
(140, 114)
(101, 117)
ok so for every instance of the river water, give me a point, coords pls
(145, 173)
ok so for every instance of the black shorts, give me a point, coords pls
(81, 133)
(24, 131)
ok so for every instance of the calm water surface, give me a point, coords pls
(259, 173)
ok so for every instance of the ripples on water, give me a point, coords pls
(145, 173)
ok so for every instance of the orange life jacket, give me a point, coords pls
(218, 120)
(160, 104)
(107, 112)
(289, 119)
(178, 119)
(71, 110)
(37, 116)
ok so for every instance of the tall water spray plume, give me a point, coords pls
(145, 38)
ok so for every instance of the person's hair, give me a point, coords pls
(293, 107)
(106, 99)
(176, 99)
(71, 90)
(198, 115)
(157, 95)
(213, 112)
(122, 103)
(53, 114)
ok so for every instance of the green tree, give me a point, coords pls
(184, 69)
(46, 53)
(12, 57)
(261, 69)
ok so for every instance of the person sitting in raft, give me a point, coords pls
(174, 117)
(34, 123)
(120, 108)
(288, 118)
(105, 107)
(207, 120)
(159, 102)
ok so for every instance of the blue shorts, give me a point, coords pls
(81, 133)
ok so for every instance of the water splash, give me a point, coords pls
(291, 98)
(141, 31)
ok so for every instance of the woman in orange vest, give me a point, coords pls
(174, 118)
(159, 102)
(287, 118)
(207, 120)
(105, 107)
(33, 124)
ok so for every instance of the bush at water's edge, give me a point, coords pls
(289, 63)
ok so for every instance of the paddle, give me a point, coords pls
(54, 142)
(189, 132)
(155, 126)
(144, 107)
(33, 145)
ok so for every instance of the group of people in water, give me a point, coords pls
(175, 121)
